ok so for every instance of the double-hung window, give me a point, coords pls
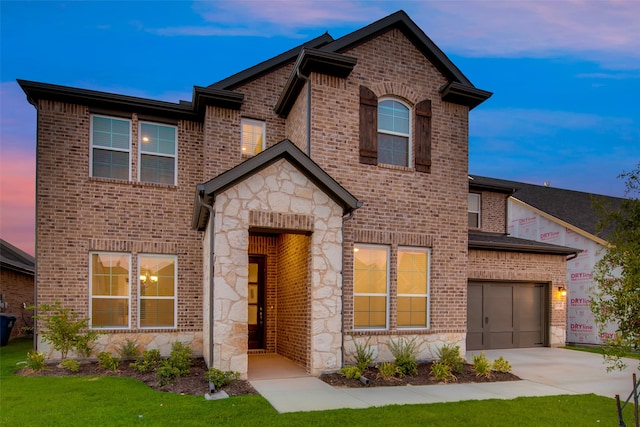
(413, 288)
(371, 287)
(157, 153)
(394, 146)
(474, 210)
(157, 291)
(110, 147)
(253, 136)
(109, 290)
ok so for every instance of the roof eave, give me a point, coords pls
(203, 96)
(311, 60)
(458, 93)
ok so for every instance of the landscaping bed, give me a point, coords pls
(194, 383)
(468, 375)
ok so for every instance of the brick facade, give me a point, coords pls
(278, 213)
(17, 289)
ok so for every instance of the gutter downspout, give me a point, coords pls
(308, 81)
(211, 256)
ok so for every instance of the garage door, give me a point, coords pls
(505, 315)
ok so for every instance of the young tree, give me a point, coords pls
(617, 274)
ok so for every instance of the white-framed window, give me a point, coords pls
(474, 210)
(110, 148)
(413, 287)
(109, 290)
(157, 153)
(394, 133)
(371, 287)
(253, 136)
(157, 302)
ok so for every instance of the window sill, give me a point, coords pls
(396, 167)
(135, 184)
(402, 331)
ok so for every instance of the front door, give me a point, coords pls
(256, 303)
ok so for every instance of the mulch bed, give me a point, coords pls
(196, 384)
(423, 378)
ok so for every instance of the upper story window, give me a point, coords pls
(157, 153)
(110, 148)
(474, 210)
(394, 145)
(253, 136)
(394, 133)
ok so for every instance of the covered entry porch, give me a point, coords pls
(273, 261)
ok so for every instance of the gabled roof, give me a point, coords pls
(285, 149)
(12, 258)
(504, 242)
(572, 207)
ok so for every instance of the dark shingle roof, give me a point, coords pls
(573, 207)
(504, 242)
(15, 259)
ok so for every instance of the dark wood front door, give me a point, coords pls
(256, 303)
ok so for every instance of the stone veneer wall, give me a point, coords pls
(291, 203)
(294, 316)
(523, 267)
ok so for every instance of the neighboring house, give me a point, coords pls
(564, 217)
(317, 198)
(17, 270)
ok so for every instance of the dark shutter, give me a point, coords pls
(423, 136)
(368, 126)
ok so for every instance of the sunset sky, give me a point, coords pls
(565, 74)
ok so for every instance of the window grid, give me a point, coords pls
(110, 148)
(253, 136)
(157, 302)
(413, 274)
(371, 287)
(394, 133)
(157, 153)
(109, 289)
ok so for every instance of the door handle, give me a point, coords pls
(260, 315)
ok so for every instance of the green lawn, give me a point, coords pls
(109, 401)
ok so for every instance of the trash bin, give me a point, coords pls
(6, 324)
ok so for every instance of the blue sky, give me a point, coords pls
(565, 74)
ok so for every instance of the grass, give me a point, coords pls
(109, 401)
(598, 350)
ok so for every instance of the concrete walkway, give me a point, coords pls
(544, 372)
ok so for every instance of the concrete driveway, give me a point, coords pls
(571, 370)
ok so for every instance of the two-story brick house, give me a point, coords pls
(316, 198)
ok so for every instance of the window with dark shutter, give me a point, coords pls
(423, 136)
(368, 126)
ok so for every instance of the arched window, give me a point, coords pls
(394, 137)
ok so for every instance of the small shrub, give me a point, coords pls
(177, 365)
(388, 370)
(129, 350)
(363, 354)
(84, 343)
(108, 361)
(481, 365)
(449, 354)
(405, 353)
(442, 371)
(167, 373)
(35, 360)
(71, 365)
(64, 329)
(352, 372)
(149, 362)
(221, 378)
(501, 365)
